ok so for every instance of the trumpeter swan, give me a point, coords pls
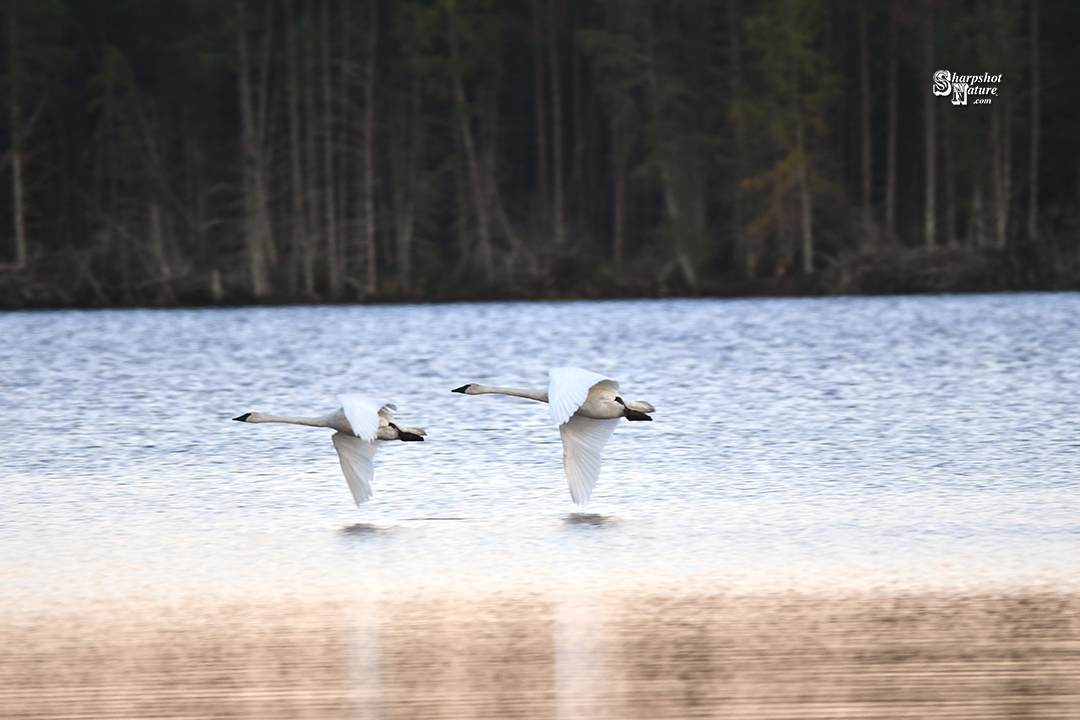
(586, 407)
(360, 422)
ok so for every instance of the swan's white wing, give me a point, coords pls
(568, 388)
(362, 413)
(355, 455)
(583, 439)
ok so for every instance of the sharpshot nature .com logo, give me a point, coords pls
(982, 88)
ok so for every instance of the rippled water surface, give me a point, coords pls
(863, 442)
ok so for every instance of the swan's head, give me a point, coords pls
(249, 418)
(635, 410)
(464, 389)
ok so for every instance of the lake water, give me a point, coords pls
(915, 442)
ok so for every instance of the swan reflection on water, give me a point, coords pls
(589, 520)
(362, 530)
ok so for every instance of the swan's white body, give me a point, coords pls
(361, 422)
(586, 407)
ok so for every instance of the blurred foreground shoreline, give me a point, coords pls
(652, 654)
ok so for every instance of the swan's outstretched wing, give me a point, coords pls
(568, 388)
(583, 439)
(355, 455)
(362, 413)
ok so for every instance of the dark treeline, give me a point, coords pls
(217, 151)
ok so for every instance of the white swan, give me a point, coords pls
(360, 422)
(586, 407)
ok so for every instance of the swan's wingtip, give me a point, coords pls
(242, 418)
(463, 388)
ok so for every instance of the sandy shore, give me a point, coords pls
(1009, 654)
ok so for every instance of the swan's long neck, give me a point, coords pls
(310, 422)
(538, 395)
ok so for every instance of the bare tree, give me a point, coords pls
(676, 171)
(541, 106)
(620, 170)
(741, 239)
(556, 127)
(869, 227)
(333, 254)
(310, 125)
(18, 133)
(257, 230)
(407, 148)
(477, 185)
(1033, 167)
(891, 132)
(369, 152)
(1001, 127)
(302, 248)
(947, 141)
(805, 208)
(929, 126)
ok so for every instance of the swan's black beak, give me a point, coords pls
(242, 418)
(462, 389)
(631, 414)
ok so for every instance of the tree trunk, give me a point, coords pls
(371, 277)
(405, 187)
(669, 165)
(977, 224)
(333, 259)
(310, 138)
(1033, 166)
(739, 237)
(556, 129)
(1001, 126)
(490, 133)
(870, 239)
(262, 124)
(577, 117)
(1001, 157)
(342, 147)
(620, 152)
(157, 246)
(541, 108)
(18, 197)
(461, 190)
(253, 227)
(950, 183)
(303, 256)
(890, 142)
(929, 127)
(17, 188)
(805, 210)
(483, 217)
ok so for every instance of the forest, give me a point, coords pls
(205, 152)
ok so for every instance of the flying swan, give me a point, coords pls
(586, 407)
(360, 422)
